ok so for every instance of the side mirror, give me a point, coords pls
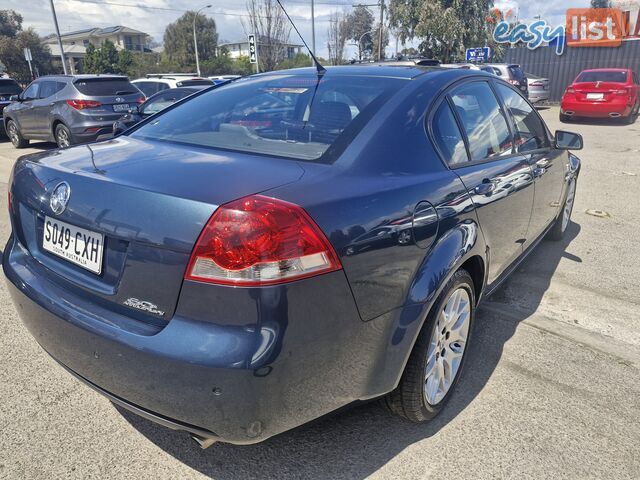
(15, 98)
(568, 141)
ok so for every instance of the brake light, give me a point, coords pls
(141, 100)
(536, 84)
(623, 91)
(9, 200)
(83, 104)
(570, 91)
(259, 241)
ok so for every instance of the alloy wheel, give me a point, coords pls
(63, 138)
(568, 205)
(447, 346)
(12, 131)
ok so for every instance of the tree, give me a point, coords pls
(337, 37)
(178, 40)
(445, 27)
(360, 30)
(107, 59)
(299, 61)
(10, 23)
(600, 3)
(12, 42)
(267, 21)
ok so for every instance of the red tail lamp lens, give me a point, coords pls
(260, 241)
(82, 104)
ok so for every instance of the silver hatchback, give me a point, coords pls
(69, 109)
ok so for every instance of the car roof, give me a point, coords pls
(607, 70)
(386, 69)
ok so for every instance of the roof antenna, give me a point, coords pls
(321, 70)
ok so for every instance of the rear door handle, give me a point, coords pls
(485, 188)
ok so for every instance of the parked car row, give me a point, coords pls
(84, 108)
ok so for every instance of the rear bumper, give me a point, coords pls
(286, 355)
(536, 96)
(596, 109)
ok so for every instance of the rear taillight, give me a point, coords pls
(83, 104)
(570, 91)
(141, 100)
(259, 241)
(623, 91)
(536, 84)
(9, 200)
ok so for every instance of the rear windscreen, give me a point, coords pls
(590, 77)
(98, 87)
(191, 83)
(292, 116)
(9, 87)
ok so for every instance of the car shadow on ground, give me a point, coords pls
(357, 441)
(600, 122)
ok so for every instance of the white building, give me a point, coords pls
(75, 43)
(241, 48)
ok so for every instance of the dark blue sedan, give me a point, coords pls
(262, 254)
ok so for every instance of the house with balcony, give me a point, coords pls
(75, 43)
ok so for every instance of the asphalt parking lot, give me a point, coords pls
(551, 388)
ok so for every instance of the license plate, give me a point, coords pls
(121, 107)
(595, 96)
(77, 245)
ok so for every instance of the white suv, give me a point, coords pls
(156, 82)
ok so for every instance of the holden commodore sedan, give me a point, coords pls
(263, 254)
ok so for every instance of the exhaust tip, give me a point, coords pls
(615, 115)
(203, 442)
(569, 113)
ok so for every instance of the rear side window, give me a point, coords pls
(49, 88)
(148, 88)
(163, 100)
(447, 135)
(605, 76)
(531, 133)
(483, 121)
(9, 87)
(104, 87)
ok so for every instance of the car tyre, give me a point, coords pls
(13, 132)
(562, 222)
(63, 136)
(423, 391)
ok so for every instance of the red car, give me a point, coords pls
(602, 93)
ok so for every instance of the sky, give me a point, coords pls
(80, 14)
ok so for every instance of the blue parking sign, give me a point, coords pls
(475, 55)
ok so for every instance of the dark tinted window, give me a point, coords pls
(606, 76)
(447, 135)
(48, 88)
(163, 100)
(483, 121)
(293, 116)
(516, 73)
(9, 87)
(32, 91)
(97, 87)
(148, 88)
(530, 131)
(191, 83)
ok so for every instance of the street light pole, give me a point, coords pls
(55, 22)
(381, 30)
(313, 28)
(195, 38)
